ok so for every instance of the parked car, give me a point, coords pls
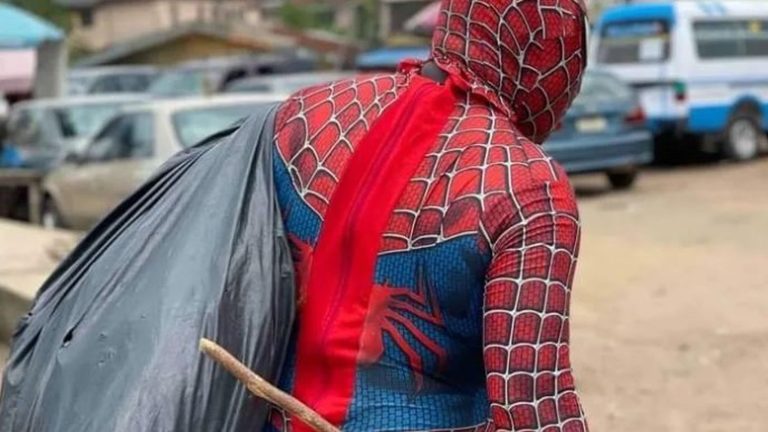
(130, 148)
(699, 68)
(44, 131)
(201, 77)
(283, 84)
(110, 79)
(604, 131)
(9, 157)
(5, 107)
(387, 59)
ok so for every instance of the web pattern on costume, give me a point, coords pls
(485, 178)
(463, 185)
(525, 56)
(321, 126)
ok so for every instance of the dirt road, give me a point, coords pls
(669, 316)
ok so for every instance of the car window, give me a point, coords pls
(125, 136)
(602, 87)
(30, 128)
(246, 86)
(106, 84)
(180, 82)
(234, 74)
(134, 83)
(729, 39)
(107, 144)
(84, 120)
(78, 84)
(141, 135)
(645, 41)
(193, 126)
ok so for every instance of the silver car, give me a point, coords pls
(43, 131)
(110, 79)
(129, 149)
(284, 84)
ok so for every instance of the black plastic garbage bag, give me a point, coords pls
(111, 343)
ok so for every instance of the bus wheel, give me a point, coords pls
(743, 137)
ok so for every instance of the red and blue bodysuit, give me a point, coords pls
(435, 242)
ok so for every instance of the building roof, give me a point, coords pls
(145, 42)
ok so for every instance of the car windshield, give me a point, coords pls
(193, 126)
(85, 120)
(287, 85)
(183, 83)
(601, 87)
(78, 84)
(644, 41)
(251, 86)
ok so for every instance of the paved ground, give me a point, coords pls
(669, 328)
(669, 316)
(27, 256)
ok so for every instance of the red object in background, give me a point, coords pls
(636, 117)
(681, 93)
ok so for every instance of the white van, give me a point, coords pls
(701, 69)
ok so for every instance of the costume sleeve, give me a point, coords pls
(526, 325)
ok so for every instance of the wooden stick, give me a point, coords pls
(263, 389)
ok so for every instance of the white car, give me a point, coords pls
(129, 148)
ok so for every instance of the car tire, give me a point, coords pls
(50, 217)
(622, 180)
(743, 137)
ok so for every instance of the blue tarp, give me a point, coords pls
(20, 29)
(388, 58)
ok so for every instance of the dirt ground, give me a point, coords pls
(669, 323)
(669, 320)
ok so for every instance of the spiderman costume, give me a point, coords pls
(435, 242)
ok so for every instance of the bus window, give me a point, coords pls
(634, 42)
(729, 39)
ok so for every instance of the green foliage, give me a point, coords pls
(367, 21)
(307, 16)
(296, 17)
(45, 9)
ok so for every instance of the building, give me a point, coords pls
(393, 14)
(99, 24)
(185, 42)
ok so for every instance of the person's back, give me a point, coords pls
(434, 240)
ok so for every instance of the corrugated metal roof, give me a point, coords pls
(141, 43)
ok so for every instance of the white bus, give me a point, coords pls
(701, 69)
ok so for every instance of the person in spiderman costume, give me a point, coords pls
(435, 241)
